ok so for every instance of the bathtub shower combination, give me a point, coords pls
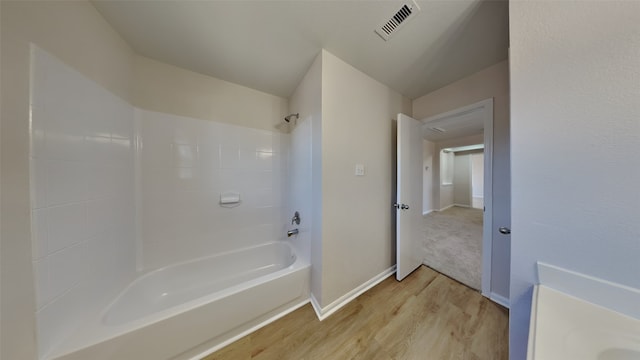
(189, 309)
(154, 236)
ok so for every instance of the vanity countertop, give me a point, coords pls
(564, 327)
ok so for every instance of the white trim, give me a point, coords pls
(250, 330)
(487, 228)
(452, 205)
(533, 324)
(316, 307)
(323, 313)
(464, 148)
(428, 212)
(496, 298)
(463, 206)
(470, 180)
(486, 106)
(137, 178)
(618, 297)
(447, 207)
(463, 110)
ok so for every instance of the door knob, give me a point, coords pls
(401, 206)
(504, 230)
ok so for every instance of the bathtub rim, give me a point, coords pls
(145, 274)
(94, 330)
(149, 272)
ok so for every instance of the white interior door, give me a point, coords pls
(409, 197)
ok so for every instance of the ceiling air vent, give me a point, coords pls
(437, 129)
(389, 27)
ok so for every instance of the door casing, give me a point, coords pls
(485, 107)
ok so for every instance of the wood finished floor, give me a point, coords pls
(426, 316)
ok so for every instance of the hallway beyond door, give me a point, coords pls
(452, 243)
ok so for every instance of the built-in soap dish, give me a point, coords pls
(230, 199)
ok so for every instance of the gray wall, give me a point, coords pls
(462, 180)
(575, 85)
(492, 82)
(354, 103)
(477, 175)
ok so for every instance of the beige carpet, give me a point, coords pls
(453, 244)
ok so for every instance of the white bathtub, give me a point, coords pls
(188, 309)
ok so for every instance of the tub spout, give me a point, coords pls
(290, 233)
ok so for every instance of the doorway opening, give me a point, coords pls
(457, 203)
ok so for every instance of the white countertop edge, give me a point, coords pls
(614, 296)
(532, 324)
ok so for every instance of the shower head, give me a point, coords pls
(288, 117)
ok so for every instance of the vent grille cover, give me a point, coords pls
(399, 19)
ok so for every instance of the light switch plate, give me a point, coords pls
(359, 170)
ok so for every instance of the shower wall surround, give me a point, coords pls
(186, 164)
(82, 177)
(300, 185)
(117, 190)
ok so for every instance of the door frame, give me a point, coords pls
(486, 106)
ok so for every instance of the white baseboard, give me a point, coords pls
(316, 307)
(323, 313)
(427, 212)
(499, 299)
(452, 205)
(447, 207)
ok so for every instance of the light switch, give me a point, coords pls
(359, 170)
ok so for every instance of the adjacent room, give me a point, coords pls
(199, 180)
(453, 199)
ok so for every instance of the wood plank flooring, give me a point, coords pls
(426, 316)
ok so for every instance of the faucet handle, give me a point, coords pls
(296, 218)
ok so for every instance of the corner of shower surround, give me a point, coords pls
(117, 192)
(83, 221)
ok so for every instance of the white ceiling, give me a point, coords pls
(269, 45)
(454, 126)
